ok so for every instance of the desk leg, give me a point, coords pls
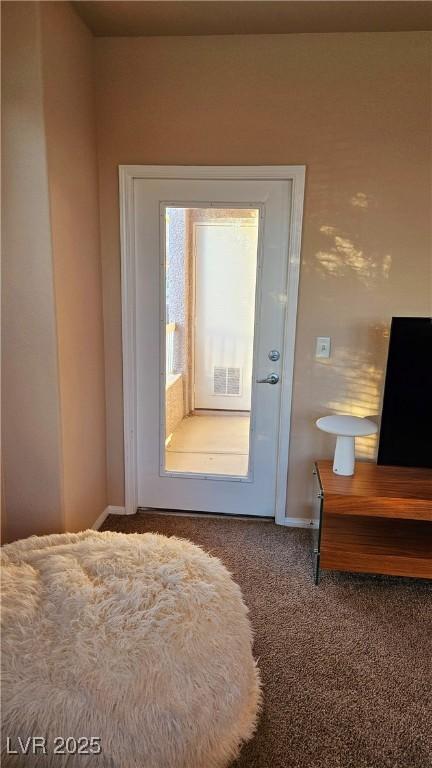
(317, 569)
(318, 510)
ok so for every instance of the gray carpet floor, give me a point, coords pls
(345, 666)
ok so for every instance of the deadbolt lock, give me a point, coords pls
(274, 355)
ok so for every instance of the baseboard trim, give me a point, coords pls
(113, 510)
(100, 520)
(110, 510)
(299, 522)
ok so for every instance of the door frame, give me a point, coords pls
(127, 174)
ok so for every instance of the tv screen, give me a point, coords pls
(406, 425)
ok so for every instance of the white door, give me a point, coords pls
(225, 287)
(253, 484)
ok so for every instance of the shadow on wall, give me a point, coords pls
(351, 381)
(358, 380)
(355, 276)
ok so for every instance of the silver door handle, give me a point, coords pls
(272, 378)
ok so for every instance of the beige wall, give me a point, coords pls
(53, 391)
(31, 455)
(67, 66)
(355, 108)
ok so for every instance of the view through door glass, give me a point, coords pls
(210, 285)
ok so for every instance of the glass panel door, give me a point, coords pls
(210, 298)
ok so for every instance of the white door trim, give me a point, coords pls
(127, 174)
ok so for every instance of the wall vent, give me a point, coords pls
(226, 381)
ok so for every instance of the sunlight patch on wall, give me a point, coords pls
(360, 200)
(344, 255)
(361, 387)
(326, 230)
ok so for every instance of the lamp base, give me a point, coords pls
(344, 458)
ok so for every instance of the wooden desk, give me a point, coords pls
(377, 521)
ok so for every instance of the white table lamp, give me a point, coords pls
(347, 428)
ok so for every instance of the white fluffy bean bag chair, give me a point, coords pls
(140, 640)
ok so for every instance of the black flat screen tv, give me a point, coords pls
(406, 424)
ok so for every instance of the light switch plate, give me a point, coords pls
(322, 348)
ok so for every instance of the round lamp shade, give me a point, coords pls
(352, 426)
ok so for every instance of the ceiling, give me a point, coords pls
(246, 17)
